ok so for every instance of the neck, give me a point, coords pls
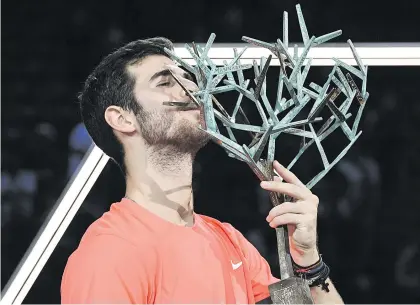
(160, 179)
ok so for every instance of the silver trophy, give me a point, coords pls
(292, 74)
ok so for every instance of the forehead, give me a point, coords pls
(148, 66)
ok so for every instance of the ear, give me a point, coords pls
(119, 119)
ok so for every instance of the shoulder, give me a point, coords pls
(97, 253)
(111, 243)
(248, 249)
(118, 225)
(226, 227)
(116, 261)
(108, 269)
(216, 223)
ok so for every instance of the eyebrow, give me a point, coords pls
(166, 72)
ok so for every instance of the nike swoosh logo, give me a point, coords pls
(236, 266)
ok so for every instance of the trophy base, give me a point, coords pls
(292, 290)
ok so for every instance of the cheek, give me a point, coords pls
(156, 119)
(150, 100)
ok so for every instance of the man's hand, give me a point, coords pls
(300, 216)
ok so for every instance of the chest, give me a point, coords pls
(203, 267)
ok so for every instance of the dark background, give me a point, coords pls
(369, 218)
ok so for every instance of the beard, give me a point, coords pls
(169, 130)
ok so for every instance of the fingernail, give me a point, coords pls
(264, 183)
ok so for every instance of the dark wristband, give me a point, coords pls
(315, 274)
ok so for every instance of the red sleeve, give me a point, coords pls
(108, 270)
(259, 269)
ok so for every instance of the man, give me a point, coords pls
(151, 247)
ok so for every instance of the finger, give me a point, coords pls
(287, 175)
(288, 207)
(287, 189)
(277, 178)
(287, 219)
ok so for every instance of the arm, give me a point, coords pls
(107, 270)
(305, 258)
(261, 276)
(322, 297)
(300, 216)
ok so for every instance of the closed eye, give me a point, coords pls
(164, 84)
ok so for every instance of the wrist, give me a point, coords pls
(305, 258)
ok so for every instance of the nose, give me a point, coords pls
(180, 92)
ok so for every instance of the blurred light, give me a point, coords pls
(6, 182)
(26, 181)
(47, 130)
(13, 133)
(79, 138)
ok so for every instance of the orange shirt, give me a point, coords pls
(132, 256)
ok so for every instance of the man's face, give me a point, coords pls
(162, 125)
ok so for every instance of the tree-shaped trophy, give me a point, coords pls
(293, 70)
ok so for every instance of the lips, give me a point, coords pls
(182, 106)
(190, 109)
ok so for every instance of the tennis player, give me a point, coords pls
(151, 247)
